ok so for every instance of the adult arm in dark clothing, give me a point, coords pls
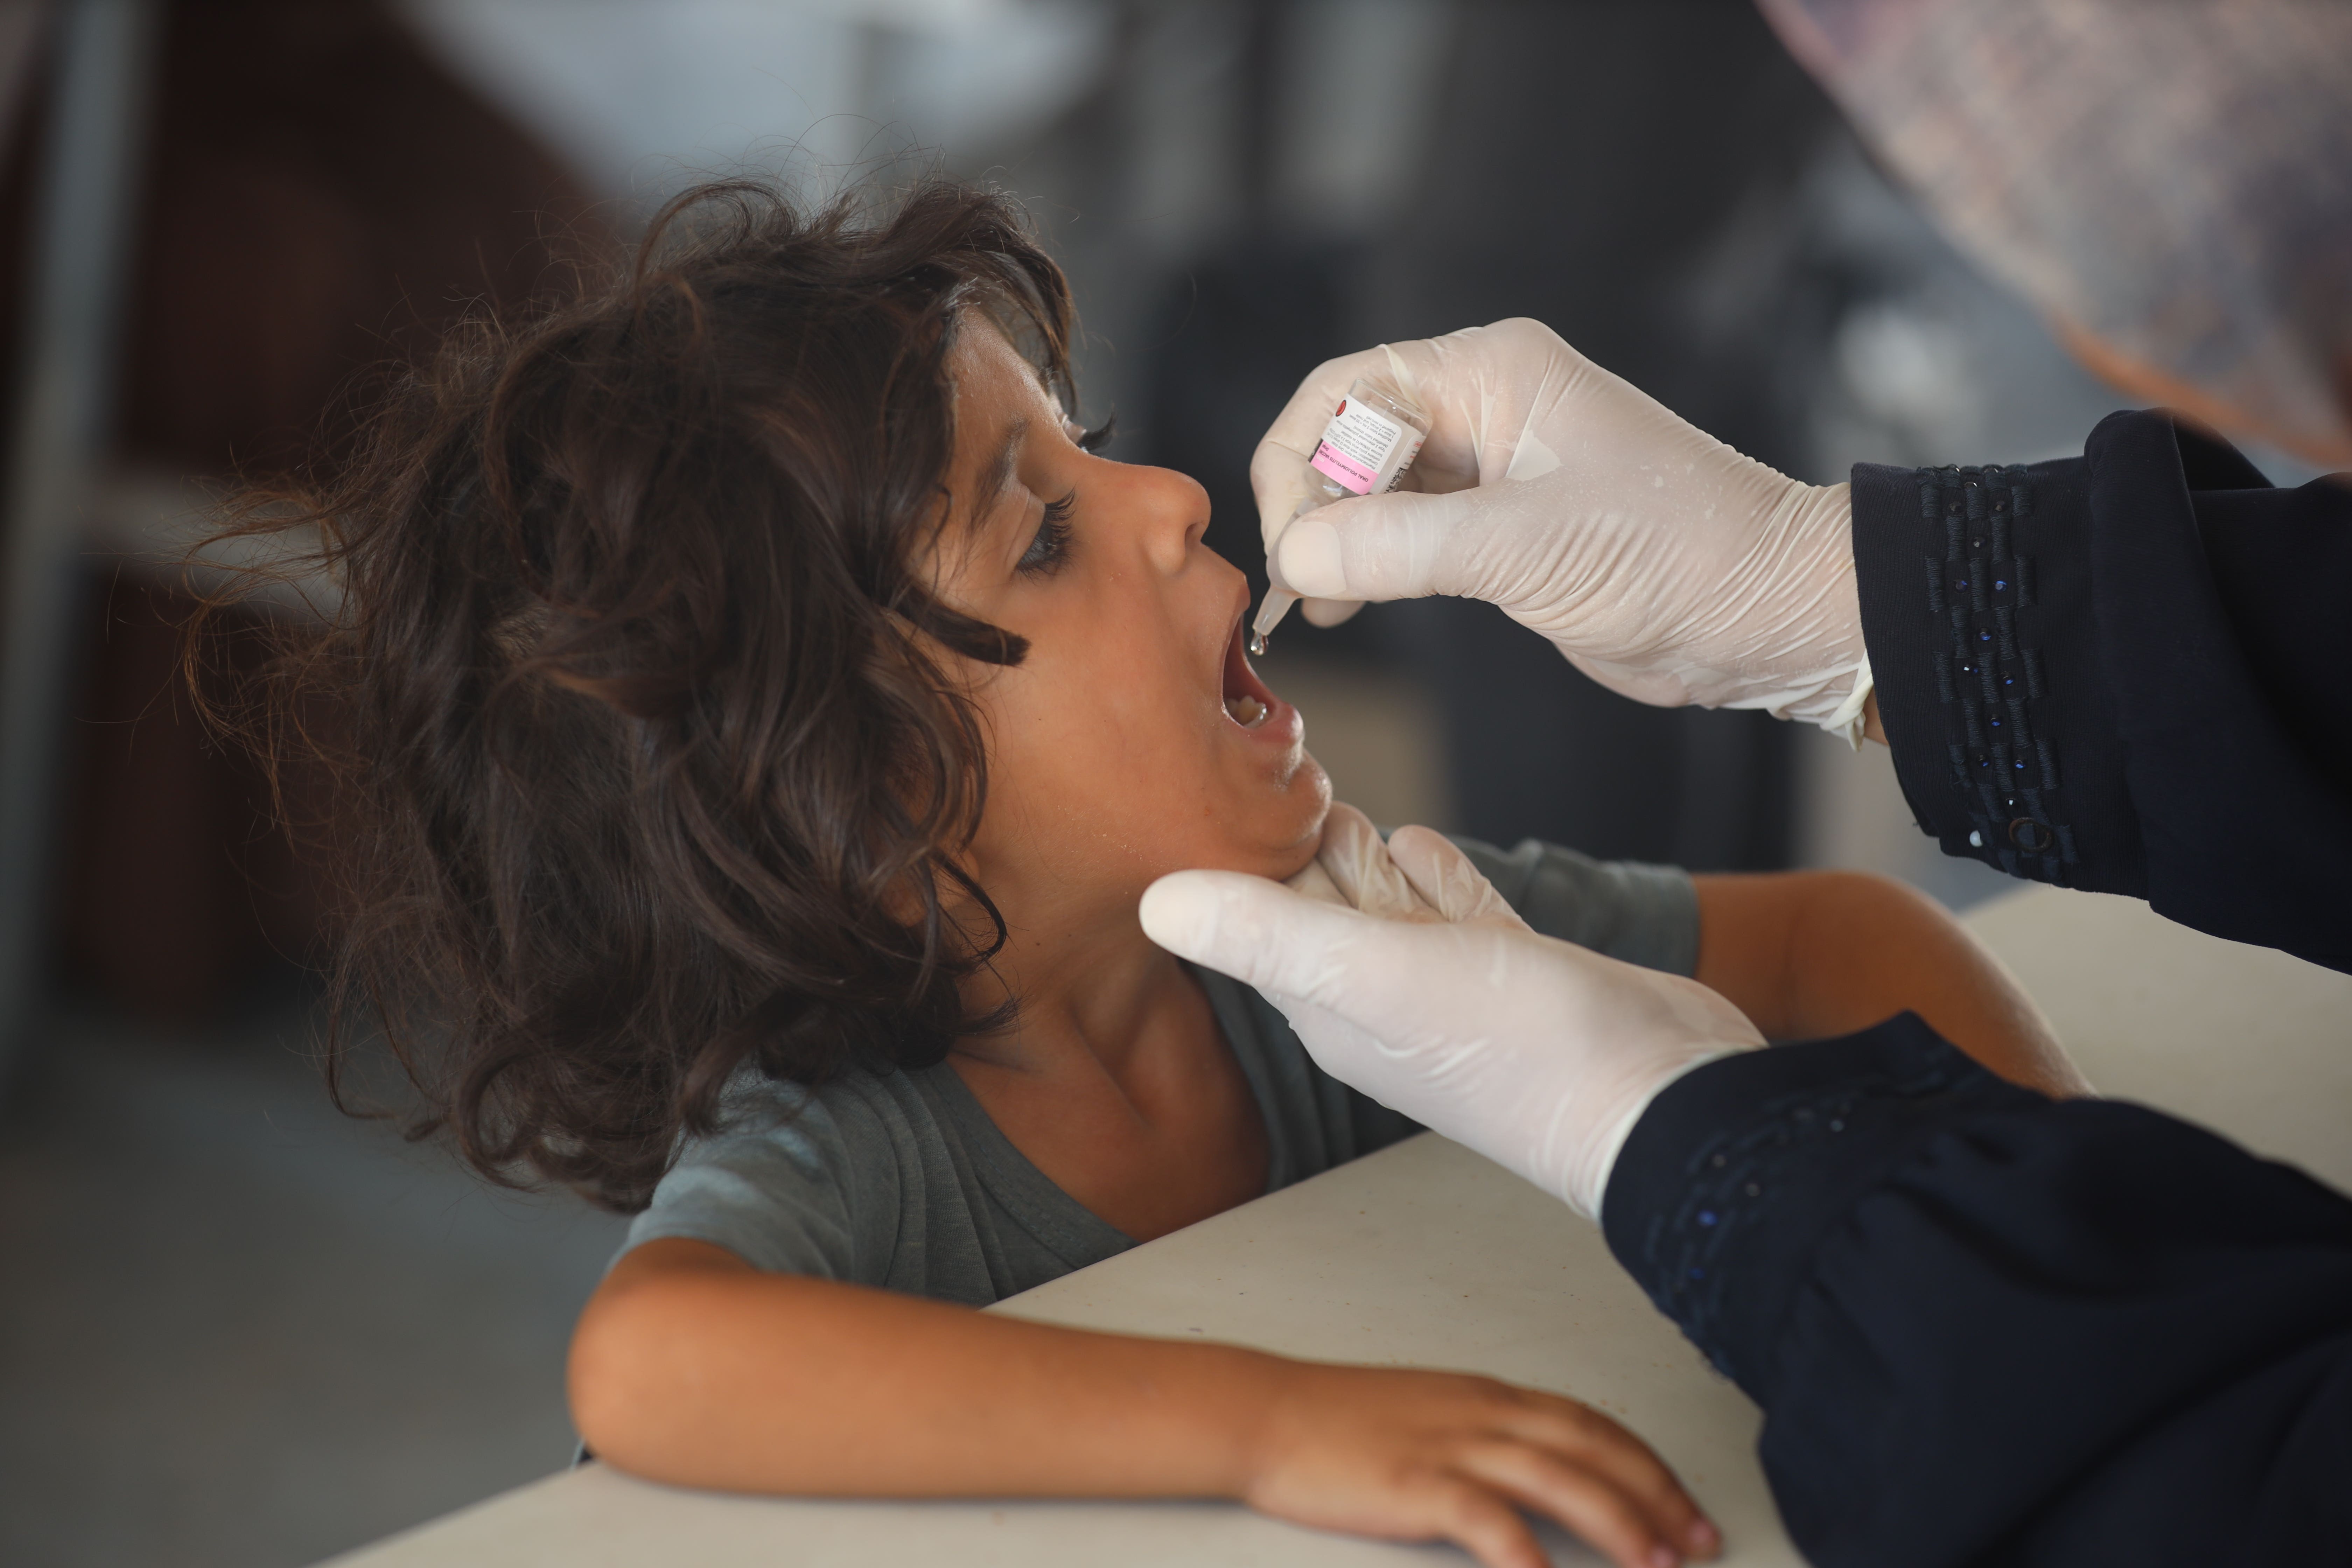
(1986, 1328)
(2125, 672)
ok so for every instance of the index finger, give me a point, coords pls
(1445, 878)
(1592, 1439)
(1360, 866)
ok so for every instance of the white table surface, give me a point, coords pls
(1427, 1255)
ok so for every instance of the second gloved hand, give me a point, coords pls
(1409, 978)
(1661, 562)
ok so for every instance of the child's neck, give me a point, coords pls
(1113, 1079)
(1086, 978)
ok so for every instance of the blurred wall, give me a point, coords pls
(322, 195)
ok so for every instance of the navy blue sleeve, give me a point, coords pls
(2125, 672)
(1986, 1328)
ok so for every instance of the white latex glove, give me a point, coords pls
(1661, 562)
(1408, 977)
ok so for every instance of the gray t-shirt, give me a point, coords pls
(900, 1179)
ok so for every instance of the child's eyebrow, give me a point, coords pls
(997, 478)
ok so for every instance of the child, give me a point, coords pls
(771, 713)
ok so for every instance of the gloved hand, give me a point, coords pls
(1352, 870)
(1664, 564)
(1408, 977)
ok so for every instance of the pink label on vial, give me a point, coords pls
(1360, 449)
(1336, 465)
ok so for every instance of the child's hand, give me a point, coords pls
(1417, 1456)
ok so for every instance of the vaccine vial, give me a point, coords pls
(1372, 438)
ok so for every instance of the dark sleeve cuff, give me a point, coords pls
(1723, 1193)
(2098, 673)
(1976, 610)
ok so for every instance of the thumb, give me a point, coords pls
(1328, 612)
(1264, 936)
(1402, 545)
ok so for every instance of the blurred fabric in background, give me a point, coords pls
(2194, 244)
(243, 1329)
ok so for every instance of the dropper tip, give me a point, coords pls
(1269, 615)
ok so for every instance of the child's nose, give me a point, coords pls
(1173, 511)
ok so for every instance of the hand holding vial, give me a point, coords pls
(1371, 440)
(1659, 560)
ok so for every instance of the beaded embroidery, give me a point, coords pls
(1989, 678)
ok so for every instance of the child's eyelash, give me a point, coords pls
(1051, 546)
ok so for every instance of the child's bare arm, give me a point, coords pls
(689, 1366)
(1813, 955)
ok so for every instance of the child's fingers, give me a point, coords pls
(1582, 1500)
(1585, 1437)
(1471, 1514)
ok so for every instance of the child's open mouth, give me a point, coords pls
(1248, 700)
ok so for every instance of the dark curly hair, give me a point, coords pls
(656, 765)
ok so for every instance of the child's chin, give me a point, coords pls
(1267, 838)
(1310, 788)
(1287, 854)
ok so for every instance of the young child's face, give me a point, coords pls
(1134, 738)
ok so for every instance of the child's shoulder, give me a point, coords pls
(856, 1105)
(799, 1178)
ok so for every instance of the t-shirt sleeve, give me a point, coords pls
(782, 1188)
(1624, 909)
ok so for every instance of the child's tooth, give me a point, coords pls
(1246, 710)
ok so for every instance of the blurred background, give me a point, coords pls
(235, 1327)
